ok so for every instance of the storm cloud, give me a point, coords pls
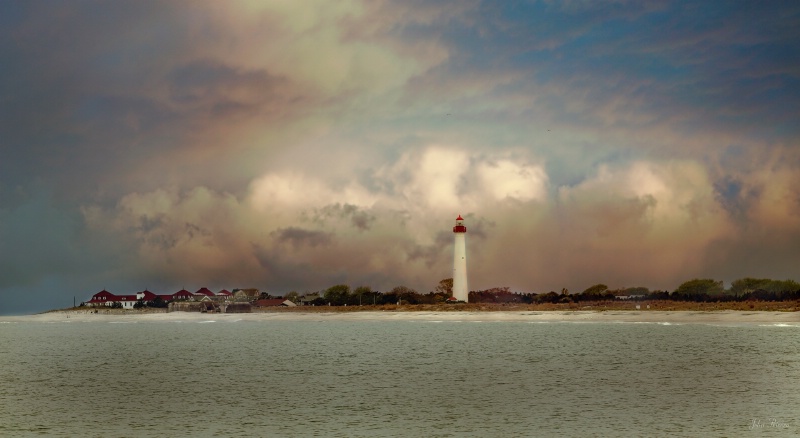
(293, 146)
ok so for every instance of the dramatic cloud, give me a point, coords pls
(296, 145)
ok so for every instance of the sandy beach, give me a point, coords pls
(665, 317)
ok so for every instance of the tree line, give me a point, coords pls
(697, 290)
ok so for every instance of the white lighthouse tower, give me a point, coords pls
(460, 288)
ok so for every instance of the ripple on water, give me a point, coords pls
(395, 378)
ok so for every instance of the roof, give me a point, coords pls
(105, 296)
(147, 295)
(247, 292)
(224, 292)
(459, 218)
(98, 297)
(204, 291)
(103, 293)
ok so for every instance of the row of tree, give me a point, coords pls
(700, 290)
(341, 295)
(763, 289)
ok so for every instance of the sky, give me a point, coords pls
(295, 145)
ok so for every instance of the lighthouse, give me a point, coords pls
(460, 288)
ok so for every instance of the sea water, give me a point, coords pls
(331, 378)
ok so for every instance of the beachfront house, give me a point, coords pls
(203, 292)
(105, 298)
(245, 295)
(183, 295)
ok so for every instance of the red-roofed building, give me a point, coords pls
(224, 295)
(183, 294)
(102, 298)
(145, 295)
(204, 291)
(106, 298)
(127, 301)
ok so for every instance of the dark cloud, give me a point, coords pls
(57, 83)
(220, 90)
(359, 219)
(479, 226)
(431, 254)
(299, 237)
(733, 197)
(94, 95)
(278, 273)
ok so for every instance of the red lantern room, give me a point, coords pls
(459, 228)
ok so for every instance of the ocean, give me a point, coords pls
(222, 376)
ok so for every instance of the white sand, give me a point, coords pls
(727, 317)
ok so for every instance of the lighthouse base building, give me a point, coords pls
(460, 287)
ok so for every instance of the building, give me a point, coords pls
(245, 295)
(460, 284)
(106, 298)
(183, 295)
(203, 292)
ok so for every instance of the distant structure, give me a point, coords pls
(460, 288)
